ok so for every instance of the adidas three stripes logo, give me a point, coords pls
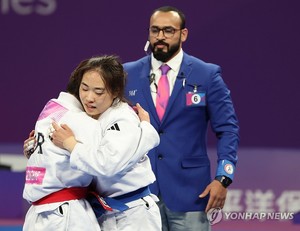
(114, 127)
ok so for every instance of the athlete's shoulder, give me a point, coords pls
(122, 109)
(117, 112)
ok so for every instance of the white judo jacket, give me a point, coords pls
(48, 168)
(113, 150)
(120, 162)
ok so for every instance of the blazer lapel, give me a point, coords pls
(145, 86)
(183, 74)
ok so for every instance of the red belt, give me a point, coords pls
(65, 194)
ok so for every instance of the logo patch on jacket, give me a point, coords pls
(114, 127)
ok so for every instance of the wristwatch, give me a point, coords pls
(224, 180)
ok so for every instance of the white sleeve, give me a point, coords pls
(119, 148)
(149, 138)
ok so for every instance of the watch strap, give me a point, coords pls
(224, 180)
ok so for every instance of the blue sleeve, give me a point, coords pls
(224, 124)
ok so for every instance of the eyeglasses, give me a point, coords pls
(168, 31)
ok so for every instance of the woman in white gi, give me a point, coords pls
(122, 177)
(55, 189)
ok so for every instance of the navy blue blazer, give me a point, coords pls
(180, 162)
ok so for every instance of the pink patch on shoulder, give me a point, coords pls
(54, 110)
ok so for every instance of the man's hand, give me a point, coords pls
(217, 195)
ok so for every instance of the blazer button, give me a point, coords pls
(160, 157)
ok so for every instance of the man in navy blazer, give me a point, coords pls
(198, 96)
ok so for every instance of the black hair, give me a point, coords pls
(110, 69)
(171, 8)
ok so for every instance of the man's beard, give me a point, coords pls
(162, 56)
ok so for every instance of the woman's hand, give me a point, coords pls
(63, 137)
(28, 146)
(143, 115)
